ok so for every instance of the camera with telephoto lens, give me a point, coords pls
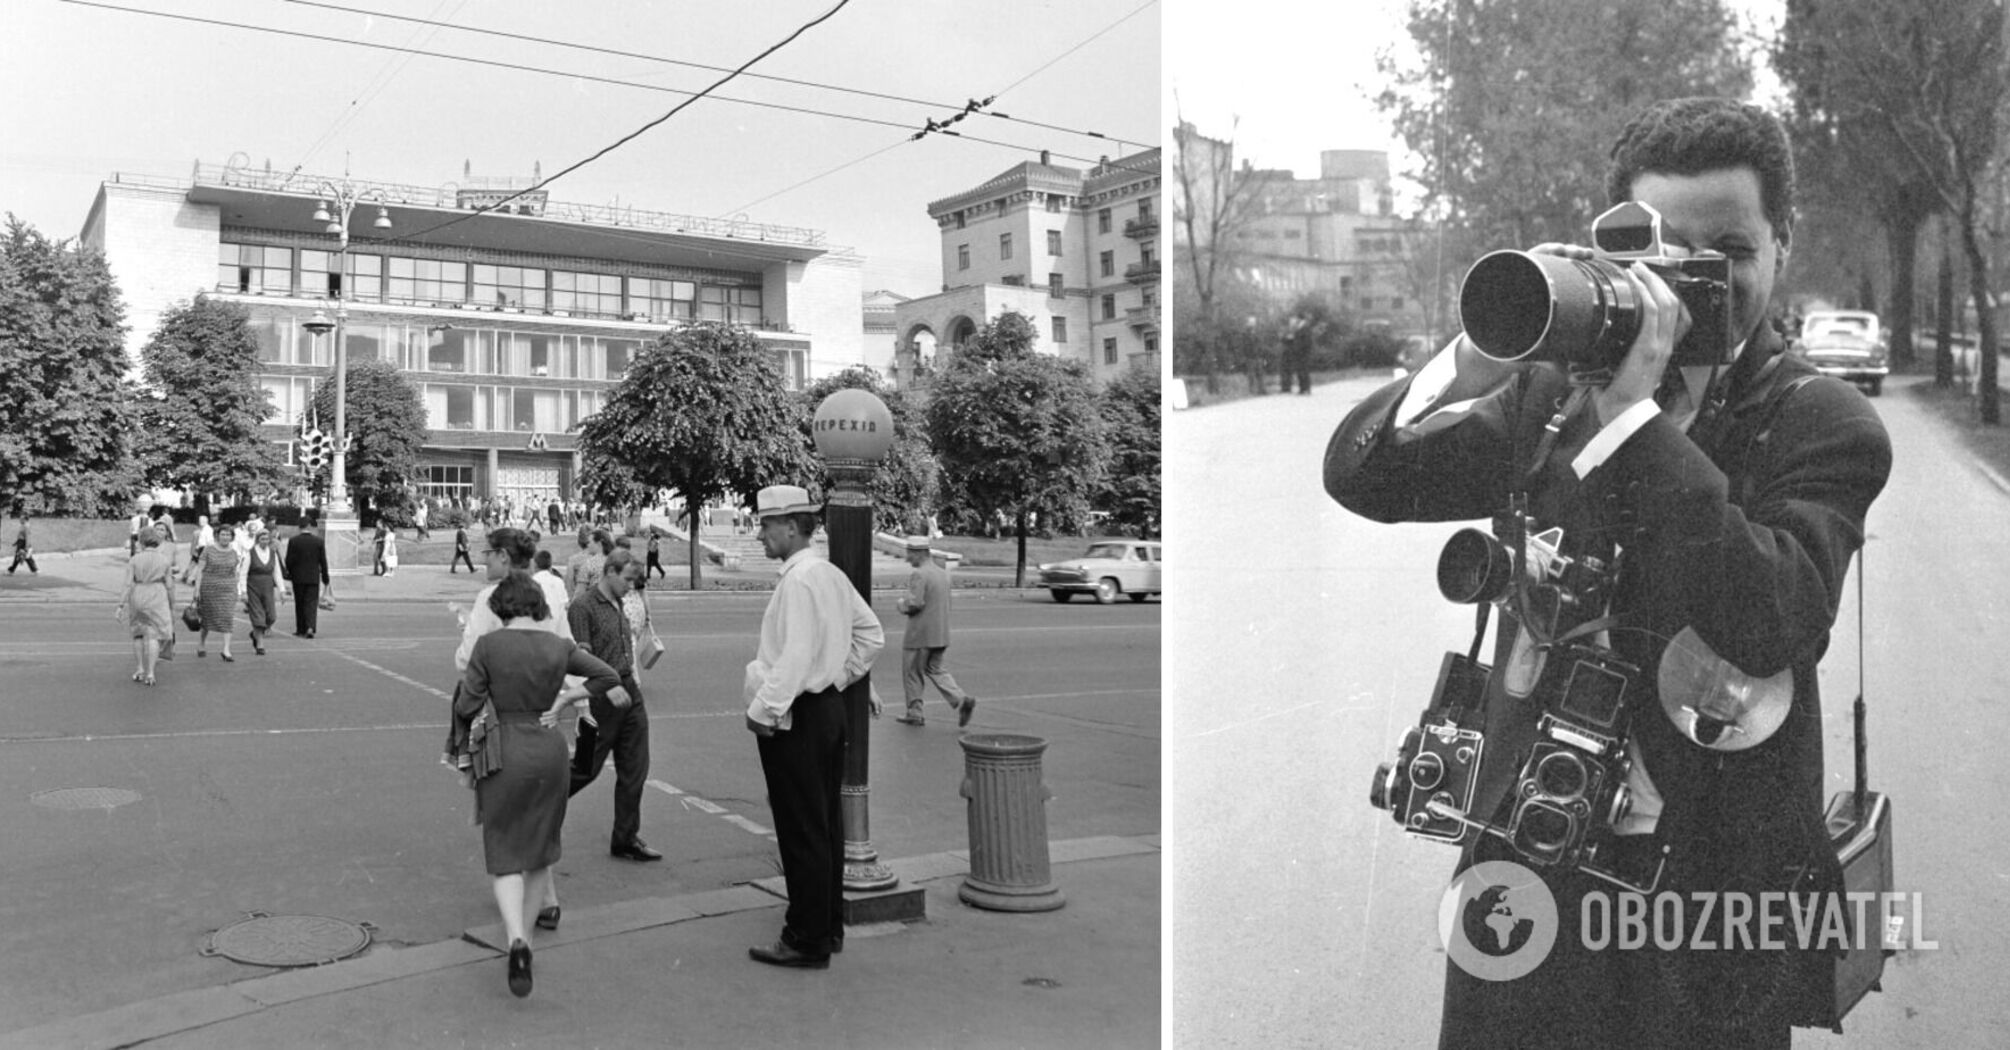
(1584, 313)
(1438, 759)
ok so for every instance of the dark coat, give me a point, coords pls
(306, 560)
(1746, 538)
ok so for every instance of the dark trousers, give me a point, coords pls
(655, 565)
(804, 767)
(623, 733)
(306, 607)
(22, 558)
(461, 558)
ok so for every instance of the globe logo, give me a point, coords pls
(1498, 920)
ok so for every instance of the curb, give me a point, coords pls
(168, 1015)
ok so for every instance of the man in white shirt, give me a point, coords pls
(817, 637)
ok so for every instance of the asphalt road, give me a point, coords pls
(1307, 639)
(306, 781)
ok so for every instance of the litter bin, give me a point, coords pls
(1009, 869)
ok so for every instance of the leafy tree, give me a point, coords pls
(703, 411)
(1921, 82)
(905, 487)
(1517, 102)
(1130, 492)
(65, 415)
(1213, 204)
(386, 421)
(200, 430)
(1017, 432)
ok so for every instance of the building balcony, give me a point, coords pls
(1143, 318)
(1146, 272)
(1139, 228)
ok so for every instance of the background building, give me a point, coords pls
(514, 323)
(1074, 251)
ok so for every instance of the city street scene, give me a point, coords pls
(1348, 501)
(431, 434)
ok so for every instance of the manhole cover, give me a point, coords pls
(84, 798)
(288, 940)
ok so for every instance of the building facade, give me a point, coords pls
(1075, 251)
(515, 324)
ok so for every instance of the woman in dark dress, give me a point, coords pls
(261, 569)
(219, 587)
(521, 805)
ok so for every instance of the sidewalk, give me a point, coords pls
(674, 971)
(99, 576)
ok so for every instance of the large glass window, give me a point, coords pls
(447, 350)
(587, 294)
(1053, 242)
(517, 286)
(449, 482)
(426, 281)
(460, 407)
(618, 353)
(745, 306)
(366, 276)
(659, 300)
(365, 341)
(253, 269)
(270, 332)
(1004, 246)
(1060, 329)
(712, 302)
(317, 273)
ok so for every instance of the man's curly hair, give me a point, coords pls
(1691, 136)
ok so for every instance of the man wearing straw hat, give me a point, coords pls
(817, 637)
(926, 604)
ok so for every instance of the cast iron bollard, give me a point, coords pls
(1008, 824)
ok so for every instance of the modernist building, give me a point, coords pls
(514, 323)
(1075, 251)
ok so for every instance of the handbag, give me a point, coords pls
(651, 651)
(190, 618)
(327, 601)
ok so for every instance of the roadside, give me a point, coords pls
(1956, 410)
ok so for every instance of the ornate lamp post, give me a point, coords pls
(853, 432)
(339, 199)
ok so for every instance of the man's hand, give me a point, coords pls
(872, 696)
(619, 697)
(1663, 323)
(759, 728)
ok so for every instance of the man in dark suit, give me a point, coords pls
(460, 551)
(306, 568)
(1731, 496)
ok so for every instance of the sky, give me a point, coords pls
(89, 91)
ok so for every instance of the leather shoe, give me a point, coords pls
(634, 849)
(780, 954)
(912, 720)
(519, 969)
(965, 709)
(547, 918)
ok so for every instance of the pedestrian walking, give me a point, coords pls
(419, 516)
(655, 554)
(134, 527)
(24, 552)
(817, 637)
(204, 536)
(390, 552)
(147, 606)
(601, 627)
(520, 783)
(926, 639)
(460, 550)
(261, 572)
(219, 588)
(576, 561)
(306, 566)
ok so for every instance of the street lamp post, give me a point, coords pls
(339, 199)
(853, 432)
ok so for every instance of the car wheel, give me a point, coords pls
(1138, 596)
(1061, 596)
(1107, 590)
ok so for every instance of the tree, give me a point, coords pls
(200, 430)
(1213, 203)
(1517, 102)
(1017, 432)
(907, 484)
(386, 421)
(1927, 79)
(703, 411)
(1129, 492)
(65, 409)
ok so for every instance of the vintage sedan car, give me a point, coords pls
(1107, 569)
(1847, 345)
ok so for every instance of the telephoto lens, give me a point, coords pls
(1519, 305)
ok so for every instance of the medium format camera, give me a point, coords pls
(1572, 789)
(1438, 760)
(1583, 313)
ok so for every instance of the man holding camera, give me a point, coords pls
(1719, 488)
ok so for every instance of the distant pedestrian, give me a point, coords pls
(219, 587)
(377, 567)
(817, 637)
(306, 573)
(24, 553)
(926, 639)
(460, 550)
(554, 517)
(520, 800)
(601, 627)
(137, 525)
(261, 572)
(148, 605)
(204, 536)
(419, 517)
(655, 554)
(390, 555)
(577, 561)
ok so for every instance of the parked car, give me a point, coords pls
(1847, 344)
(1107, 569)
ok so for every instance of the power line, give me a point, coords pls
(618, 53)
(631, 136)
(371, 90)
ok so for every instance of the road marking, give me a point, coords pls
(690, 801)
(393, 675)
